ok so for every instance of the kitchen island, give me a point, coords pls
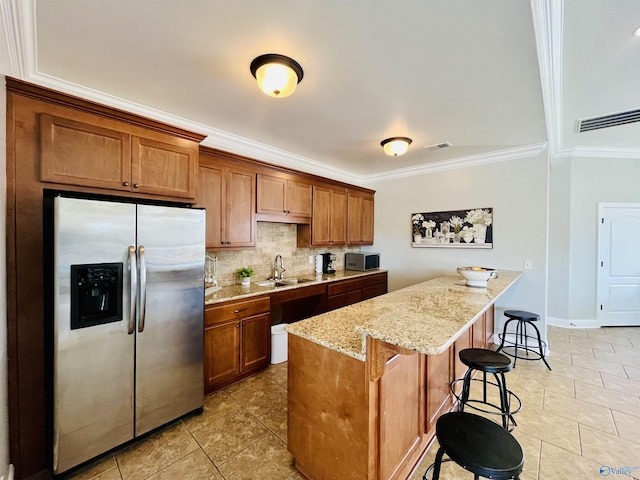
(367, 382)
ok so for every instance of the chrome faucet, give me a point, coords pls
(278, 273)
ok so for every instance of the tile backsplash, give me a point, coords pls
(273, 239)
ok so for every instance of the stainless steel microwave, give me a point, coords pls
(361, 261)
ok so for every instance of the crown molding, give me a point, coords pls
(18, 20)
(548, 24)
(599, 152)
(461, 162)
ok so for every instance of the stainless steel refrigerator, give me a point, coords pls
(128, 305)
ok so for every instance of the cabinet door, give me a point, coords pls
(240, 225)
(338, 218)
(401, 417)
(271, 194)
(438, 380)
(210, 196)
(366, 220)
(321, 219)
(221, 353)
(298, 198)
(76, 153)
(354, 213)
(164, 168)
(256, 342)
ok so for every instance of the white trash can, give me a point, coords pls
(278, 343)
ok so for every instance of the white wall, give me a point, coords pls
(516, 190)
(4, 405)
(592, 180)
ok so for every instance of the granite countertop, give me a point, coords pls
(427, 317)
(236, 292)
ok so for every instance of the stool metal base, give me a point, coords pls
(522, 337)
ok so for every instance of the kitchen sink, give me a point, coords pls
(284, 283)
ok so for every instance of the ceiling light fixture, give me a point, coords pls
(636, 32)
(395, 146)
(277, 75)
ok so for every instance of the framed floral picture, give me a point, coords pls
(457, 228)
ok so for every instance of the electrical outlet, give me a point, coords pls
(311, 259)
(528, 265)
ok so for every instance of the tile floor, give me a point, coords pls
(577, 419)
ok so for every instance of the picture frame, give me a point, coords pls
(472, 228)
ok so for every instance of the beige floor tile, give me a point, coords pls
(537, 382)
(580, 411)
(620, 384)
(262, 397)
(591, 343)
(603, 366)
(627, 360)
(558, 356)
(229, 435)
(612, 399)
(608, 449)
(105, 468)
(277, 373)
(631, 351)
(632, 372)
(628, 426)
(255, 381)
(267, 459)
(275, 420)
(557, 463)
(615, 337)
(216, 405)
(194, 466)
(576, 372)
(531, 448)
(152, 454)
(549, 427)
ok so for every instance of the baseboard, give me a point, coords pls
(572, 323)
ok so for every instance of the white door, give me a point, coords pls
(618, 301)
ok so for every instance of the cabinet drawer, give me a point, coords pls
(344, 286)
(344, 299)
(234, 310)
(374, 291)
(374, 280)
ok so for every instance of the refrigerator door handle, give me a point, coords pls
(143, 287)
(133, 266)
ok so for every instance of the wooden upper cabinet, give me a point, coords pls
(227, 192)
(164, 168)
(329, 219)
(283, 195)
(90, 155)
(76, 153)
(359, 218)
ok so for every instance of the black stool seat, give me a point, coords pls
(522, 338)
(479, 446)
(522, 315)
(485, 360)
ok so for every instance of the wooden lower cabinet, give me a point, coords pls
(237, 341)
(366, 420)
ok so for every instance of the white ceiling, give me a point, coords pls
(496, 78)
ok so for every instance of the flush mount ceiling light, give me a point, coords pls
(636, 32)
(277, 75)
(395, 146)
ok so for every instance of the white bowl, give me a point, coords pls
(477, 276)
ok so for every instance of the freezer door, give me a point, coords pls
(171, 250)
(93, 362)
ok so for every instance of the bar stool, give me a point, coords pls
(497, 364)
(477, 445)
(524, 320)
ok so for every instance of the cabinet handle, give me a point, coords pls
(240, 310)
(238, 325)
(136, 185)
(244, 324)
(228, 243)
(125, 184)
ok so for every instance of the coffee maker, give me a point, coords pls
(327, 263)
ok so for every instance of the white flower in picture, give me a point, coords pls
(479, 216)
(456, 223)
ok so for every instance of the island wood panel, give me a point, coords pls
(478, 333)
(489, 316)
(439, 373)
(328, 412)
(464, 341)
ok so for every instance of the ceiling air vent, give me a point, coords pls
(612, 120)
(437, 146)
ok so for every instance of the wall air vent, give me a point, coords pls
(612, 120)
(437, 146)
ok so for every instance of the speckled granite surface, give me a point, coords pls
(235, 292)
(427, 317)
